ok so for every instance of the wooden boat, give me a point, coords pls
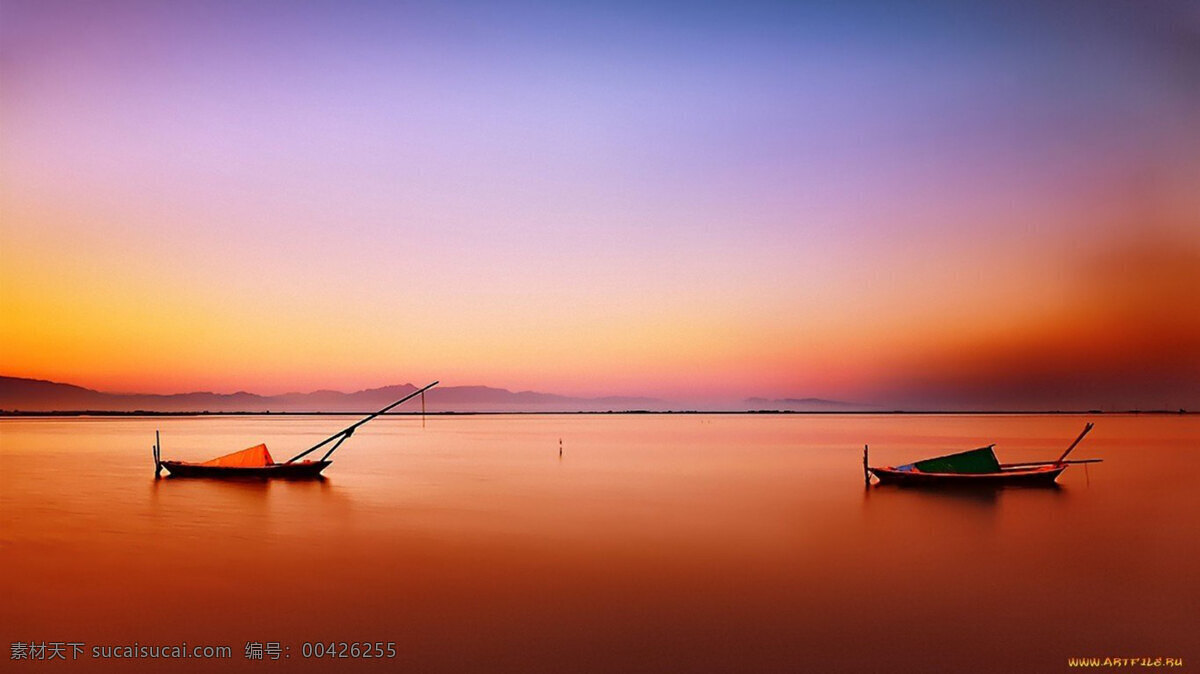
(974, 468)
(301, 470)
(253, 462)
(256, 462)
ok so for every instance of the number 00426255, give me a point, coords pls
(348, 649)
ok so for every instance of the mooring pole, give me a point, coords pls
(157, 456)
(866, 472)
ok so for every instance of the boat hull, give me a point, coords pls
(1040, 476)
(300, 470)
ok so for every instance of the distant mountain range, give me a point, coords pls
(36, 395)
(803, 405)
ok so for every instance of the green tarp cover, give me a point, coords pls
(982, 460)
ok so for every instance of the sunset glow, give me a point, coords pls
(962, 208)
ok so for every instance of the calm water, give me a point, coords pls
(656, 543)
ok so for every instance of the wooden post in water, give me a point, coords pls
(866, 473)
(157, 456)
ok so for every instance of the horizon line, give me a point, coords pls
(208, 413)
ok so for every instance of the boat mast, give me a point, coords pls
(1086, 428)
(341, 435)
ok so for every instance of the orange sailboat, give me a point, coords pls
(256, 461)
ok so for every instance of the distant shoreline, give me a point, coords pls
(145, 413)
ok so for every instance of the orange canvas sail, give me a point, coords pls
(253, 456)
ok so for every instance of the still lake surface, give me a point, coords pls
(680, 543)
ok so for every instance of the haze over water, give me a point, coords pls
(656, 543)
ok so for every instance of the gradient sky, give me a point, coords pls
(950, 204)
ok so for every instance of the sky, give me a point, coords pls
(917, 205)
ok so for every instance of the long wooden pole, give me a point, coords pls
(345, 432)
(1086, 428)
(1048, 463)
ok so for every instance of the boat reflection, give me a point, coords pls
(989, 495)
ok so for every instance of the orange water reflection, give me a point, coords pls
(680, 543)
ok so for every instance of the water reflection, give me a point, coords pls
(987, 494)
(667, 543)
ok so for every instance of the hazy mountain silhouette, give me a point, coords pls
(36, 395)
(803, 404)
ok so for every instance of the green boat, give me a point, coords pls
(974, 467)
